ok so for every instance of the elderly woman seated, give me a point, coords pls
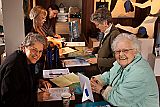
(131, 81)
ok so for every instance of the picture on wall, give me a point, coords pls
(123, 9)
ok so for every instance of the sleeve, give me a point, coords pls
(108, 58)
(95, 50)
(10, 88)
(103, 79)
(130, 91)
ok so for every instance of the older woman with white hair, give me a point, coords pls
(131, 81)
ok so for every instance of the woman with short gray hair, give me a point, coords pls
(102, 19)
(18, 81)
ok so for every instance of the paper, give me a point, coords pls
(55, 93)
(75, 62)
(73, 44)
(65, 80)
(67, 50)
(85, 85)
(52, 73)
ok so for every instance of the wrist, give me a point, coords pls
(101, 91)
(103, 88)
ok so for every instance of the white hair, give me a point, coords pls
(123, 36)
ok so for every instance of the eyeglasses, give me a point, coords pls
(55, 13)
(125, 51)
(35, 50)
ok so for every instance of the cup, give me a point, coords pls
(66, 99)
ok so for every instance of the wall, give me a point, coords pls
(68, 3)
(1, 17)
(13, 24)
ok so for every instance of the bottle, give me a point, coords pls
(49, 63)
(56, 61)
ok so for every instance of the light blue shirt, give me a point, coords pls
(133, 86)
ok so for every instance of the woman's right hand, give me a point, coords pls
(54, 42)
(42, 96)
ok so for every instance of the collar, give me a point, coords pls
(106, 32)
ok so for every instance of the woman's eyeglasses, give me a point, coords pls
(35, 50)
(125, 51)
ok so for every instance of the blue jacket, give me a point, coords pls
(133, 86)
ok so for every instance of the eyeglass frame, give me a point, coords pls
(35, 50)
(124, 51)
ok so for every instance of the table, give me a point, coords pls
(77, 102)
(78, 97)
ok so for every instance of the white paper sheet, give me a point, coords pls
(52, 73)
(85, 85)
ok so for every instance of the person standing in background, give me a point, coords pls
(51, 19)
(18, 81)
(103, 20)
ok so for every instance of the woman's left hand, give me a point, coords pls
(92, 60)
(95, 85)
(45, 84)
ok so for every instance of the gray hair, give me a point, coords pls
(101, 15)
(31, 38)
(135, 42)
(35, 11)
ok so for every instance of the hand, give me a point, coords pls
(54, 42)
(92, 60)
(89, 50)
(57, 36)
(43, 95)
(44, 84)
(96, 86)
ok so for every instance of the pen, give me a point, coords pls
(42, 90)
(55, 74)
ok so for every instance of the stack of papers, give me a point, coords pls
(67, 50)
(75, 62)
(65, 80)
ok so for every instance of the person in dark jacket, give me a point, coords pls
(18, 81)
(103, 20)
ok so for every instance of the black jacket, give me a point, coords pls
(17, 82)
